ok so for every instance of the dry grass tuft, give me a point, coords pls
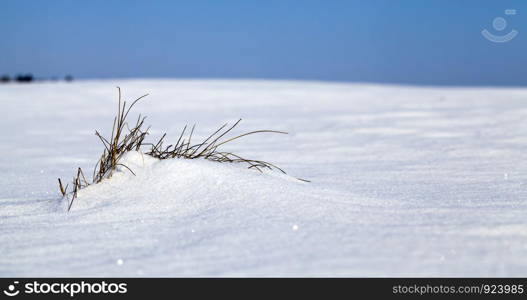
(209, 148)
(120, 142)
(125, 139)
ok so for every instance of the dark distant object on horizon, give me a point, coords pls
(24, 78)
(28, 77)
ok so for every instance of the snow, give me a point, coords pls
(406, 181)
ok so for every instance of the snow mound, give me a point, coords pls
(142, 184)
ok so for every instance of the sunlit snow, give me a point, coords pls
(406, 181)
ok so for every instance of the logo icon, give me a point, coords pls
(11, 292)
(499, 24)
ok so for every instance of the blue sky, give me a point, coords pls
(434, 42)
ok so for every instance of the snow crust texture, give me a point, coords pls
(406, 181)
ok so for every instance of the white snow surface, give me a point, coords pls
(406, 181)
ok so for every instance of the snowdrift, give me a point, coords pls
(145, 185)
